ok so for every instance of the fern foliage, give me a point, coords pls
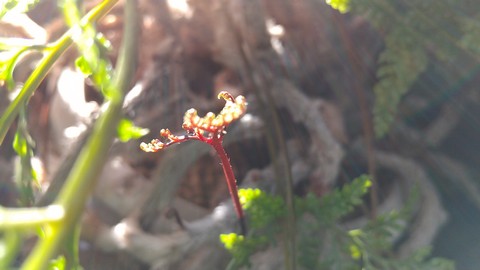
(471, 39)
(400, 65)
(322, 242)
(416, 33)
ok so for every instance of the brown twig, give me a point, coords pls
(367, 125)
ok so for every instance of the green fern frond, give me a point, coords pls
(471, 40)
(400, 65)
(413, 30)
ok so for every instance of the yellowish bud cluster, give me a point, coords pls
(197, 127)
(154, 146)
(234, 108)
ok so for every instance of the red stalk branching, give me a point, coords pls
(209, 129)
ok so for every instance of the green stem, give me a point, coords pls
(88, 166)
(29, 217)
(22, 144)
(71, 253)
(12, 241)
(50, 57)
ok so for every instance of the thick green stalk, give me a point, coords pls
(87, 168)
(50, 57)
(29, 217)
(12, 240)
(72, 249)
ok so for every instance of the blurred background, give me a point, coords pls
(387, 88)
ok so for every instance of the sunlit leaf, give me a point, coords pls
(355, 252)
(248, 195)
(340, 5)
(57, 264)
(102, 77)
(262, 208)
(242, 247)
(7, 64)
(18, 6)
(92, 46)
(83, 66)
(128, 131)
(20, 144)
(231, 239)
